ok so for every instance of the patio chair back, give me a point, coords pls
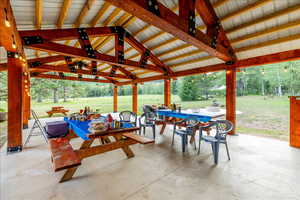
(147, 120)
(223, 128)
(148, 108)
(127, 116)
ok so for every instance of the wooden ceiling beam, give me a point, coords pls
(249, 62)
(87, 6)
(71, 78)
(171, 23)
(99, 14)
(80, 53)
(63, 13)
(142, 49)
(65, 68)
(38, 13)
(66, 34)
(264, 18)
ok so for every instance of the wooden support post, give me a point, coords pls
(295, 121)
(167, 92)
(115, 98)
(134, 98)
(15, 103)
(26, 99)
(231, 97)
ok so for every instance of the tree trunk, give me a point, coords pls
(65, 93)
(55, 97)
(279, 84)
(263, 87)
(39, 98)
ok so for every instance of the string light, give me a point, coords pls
(14, 46)
(16, 55)
(263, 71)
(6, 22)
(285, 69)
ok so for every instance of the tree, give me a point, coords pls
(188, 89)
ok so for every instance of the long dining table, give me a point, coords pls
(203, 115)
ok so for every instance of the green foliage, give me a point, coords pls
(189, 89)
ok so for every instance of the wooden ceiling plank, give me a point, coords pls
(99, 14)
(87, 6)
(63, 13)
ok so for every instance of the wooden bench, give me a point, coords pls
(62, 154)
(58, 109)
(138, 138)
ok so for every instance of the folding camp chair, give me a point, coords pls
(36, 124)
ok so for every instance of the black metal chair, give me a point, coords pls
(190, 125)
(147, 120)
(128, 117)
(222, 128)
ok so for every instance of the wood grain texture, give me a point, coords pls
(231, 98)
(295, 121)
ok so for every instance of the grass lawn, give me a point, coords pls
(261, 115)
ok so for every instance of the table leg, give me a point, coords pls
(71, 171)
(126, 149)
(163, 128)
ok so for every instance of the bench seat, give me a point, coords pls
(62, 154)
(138, 138)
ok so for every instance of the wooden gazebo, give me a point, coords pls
(125, 42)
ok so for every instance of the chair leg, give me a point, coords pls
(153, 129)
(144, 129)
(173, 138)
(199, 145)
(183, 142)
(140, 131)
(227, 150)
(216, 154)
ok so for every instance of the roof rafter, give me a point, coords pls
(57, 77)
(171, 23)
(63, 13)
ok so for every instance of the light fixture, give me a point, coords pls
(285, 69)
(25, 81)
(25, 73)
(6, 22)
(26, 86)
(16, 55)
(14, 45)
(263, 71)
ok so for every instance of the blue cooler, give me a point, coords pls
(57, 129)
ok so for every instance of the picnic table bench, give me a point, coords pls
(57, 109)
(63, 156)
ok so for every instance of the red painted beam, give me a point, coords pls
(169, 22)
(67, 34)
(65, 68)
(80, 53)
(211, 20)
(71, 78)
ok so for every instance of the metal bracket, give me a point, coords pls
(231, 62)
(82, 34)
(72, 68)
(192, 23)
(90, 51)
(11, 54)
(94, 70)
(120, 57)
(34, 74)
(145, 57)
(214, 40)
(96, 77)
(113, 71)
(117, 29)
(80, 76)
(68, 59)
(153, 7)
(29, 40)
(61, 75)
(35, 64)
(14, 149)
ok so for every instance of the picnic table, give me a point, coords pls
(57, 109)
(203, 115)
(65, 157)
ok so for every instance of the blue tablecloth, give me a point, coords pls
(183, 115)
(79, 128)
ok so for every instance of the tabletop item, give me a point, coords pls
(56, 129)
(98, 125)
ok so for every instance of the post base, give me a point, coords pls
(14, 149)
(25, 126)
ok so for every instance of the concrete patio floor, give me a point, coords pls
(260, 168)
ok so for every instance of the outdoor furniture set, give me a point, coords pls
(64, 156)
